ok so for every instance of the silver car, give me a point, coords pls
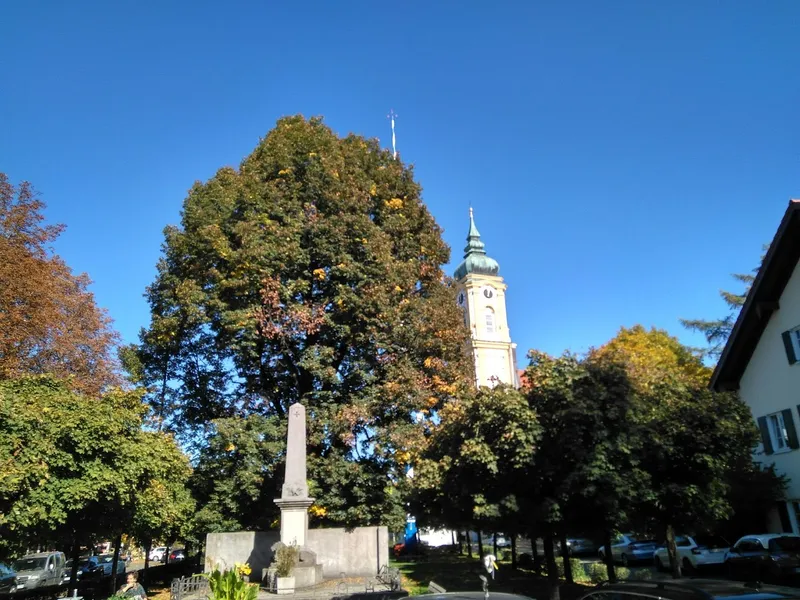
(628, 548)
(39, 570)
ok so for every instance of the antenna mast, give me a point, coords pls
(392, 117)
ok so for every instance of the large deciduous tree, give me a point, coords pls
(697, 440)
(49, 322)
(73, 469)
(312, 273)
(474, 468)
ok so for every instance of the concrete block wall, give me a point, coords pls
(224, 550)
(360, 551)
(357, 552)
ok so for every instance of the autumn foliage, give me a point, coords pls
(49, 322)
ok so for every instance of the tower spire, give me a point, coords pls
(474, 243)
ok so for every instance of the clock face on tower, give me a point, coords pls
(488, 292)
(461, 299)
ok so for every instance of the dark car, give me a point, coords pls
(767, 557)
(690, 589)
(8, 579)
(88, 568)
(177, 555)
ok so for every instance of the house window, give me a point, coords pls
(489, 320)
(791, 342)
(777, 432)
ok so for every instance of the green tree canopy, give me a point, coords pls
(313, 274)
(475, 467)
(74, 469)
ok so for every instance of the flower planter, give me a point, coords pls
(284, 585)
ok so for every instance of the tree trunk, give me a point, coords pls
(73, 574)
(513, 551)
(562, 538)
(469, 545)
(537, 559)
(552, 570)
(612, 573)
(147, 547)
(480, 543)
(672, 551)
(113, 579)
(494, 546)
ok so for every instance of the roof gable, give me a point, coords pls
(761, 302)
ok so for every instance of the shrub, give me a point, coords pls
(596, 572)
(229, 585)
(525, 560)
(579, 574)
(641, 575)
(285, 558)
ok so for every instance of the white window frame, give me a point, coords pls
(778, 434)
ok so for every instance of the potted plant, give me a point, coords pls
(285, 559)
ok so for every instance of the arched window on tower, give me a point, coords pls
(489, 319)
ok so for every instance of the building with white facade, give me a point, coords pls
(762, 361)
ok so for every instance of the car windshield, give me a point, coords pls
(712, 541)
(29, 564)
(785, 543)
(4, 569)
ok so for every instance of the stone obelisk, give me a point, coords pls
(294, 500)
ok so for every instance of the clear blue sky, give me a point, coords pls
(622, 157)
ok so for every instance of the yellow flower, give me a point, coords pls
(319, 274)
(312, 153)
(397, 288)
(284, 171)
(317, 511)
(230, 448)
(373, 189)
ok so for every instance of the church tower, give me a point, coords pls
(481, 295)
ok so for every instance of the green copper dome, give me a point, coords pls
(475, 259)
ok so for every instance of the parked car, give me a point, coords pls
(106, 563)
(177, 555)
(8, 579)
(158, 554)
(765, 556)
(692, 589)
(694, 552)
(628, 548)
(39, 570)
(503, 541)
(88, 568)
(580, 546)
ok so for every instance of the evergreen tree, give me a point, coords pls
(717, 331)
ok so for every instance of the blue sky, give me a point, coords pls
(622, 157)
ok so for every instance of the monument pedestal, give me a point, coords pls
(294, 520)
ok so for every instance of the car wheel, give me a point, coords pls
(659, 565)
(624, 560)
(731, 569)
